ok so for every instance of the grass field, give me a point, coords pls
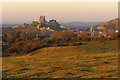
(92, 60)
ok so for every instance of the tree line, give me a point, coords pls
(18, 42)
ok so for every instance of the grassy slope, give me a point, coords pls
(93, 60)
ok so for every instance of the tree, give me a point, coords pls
(64, 36)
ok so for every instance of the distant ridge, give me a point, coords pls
(80, 24)
(111, 24)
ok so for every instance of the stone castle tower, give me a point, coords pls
(42, 19)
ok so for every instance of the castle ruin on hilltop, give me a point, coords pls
(42, 19)
(50, 25)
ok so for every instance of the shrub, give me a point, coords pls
(64, 36)
(28, 46)
(34, 23)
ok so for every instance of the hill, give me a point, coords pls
(92, 60)
(43, 24)
(112, 24)
(80, 24)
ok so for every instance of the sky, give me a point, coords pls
(23, 12)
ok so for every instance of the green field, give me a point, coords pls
(91, 60)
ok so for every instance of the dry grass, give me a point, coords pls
(92, 60)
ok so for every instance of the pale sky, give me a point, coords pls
(60, 11)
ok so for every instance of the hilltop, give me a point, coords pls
(112, 24)
(42, 24)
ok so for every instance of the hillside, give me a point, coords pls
(40, 24)
(92, 60)
(112, 24)
(80, 24)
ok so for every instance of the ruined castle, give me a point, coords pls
(42, 24)
(50, 25)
